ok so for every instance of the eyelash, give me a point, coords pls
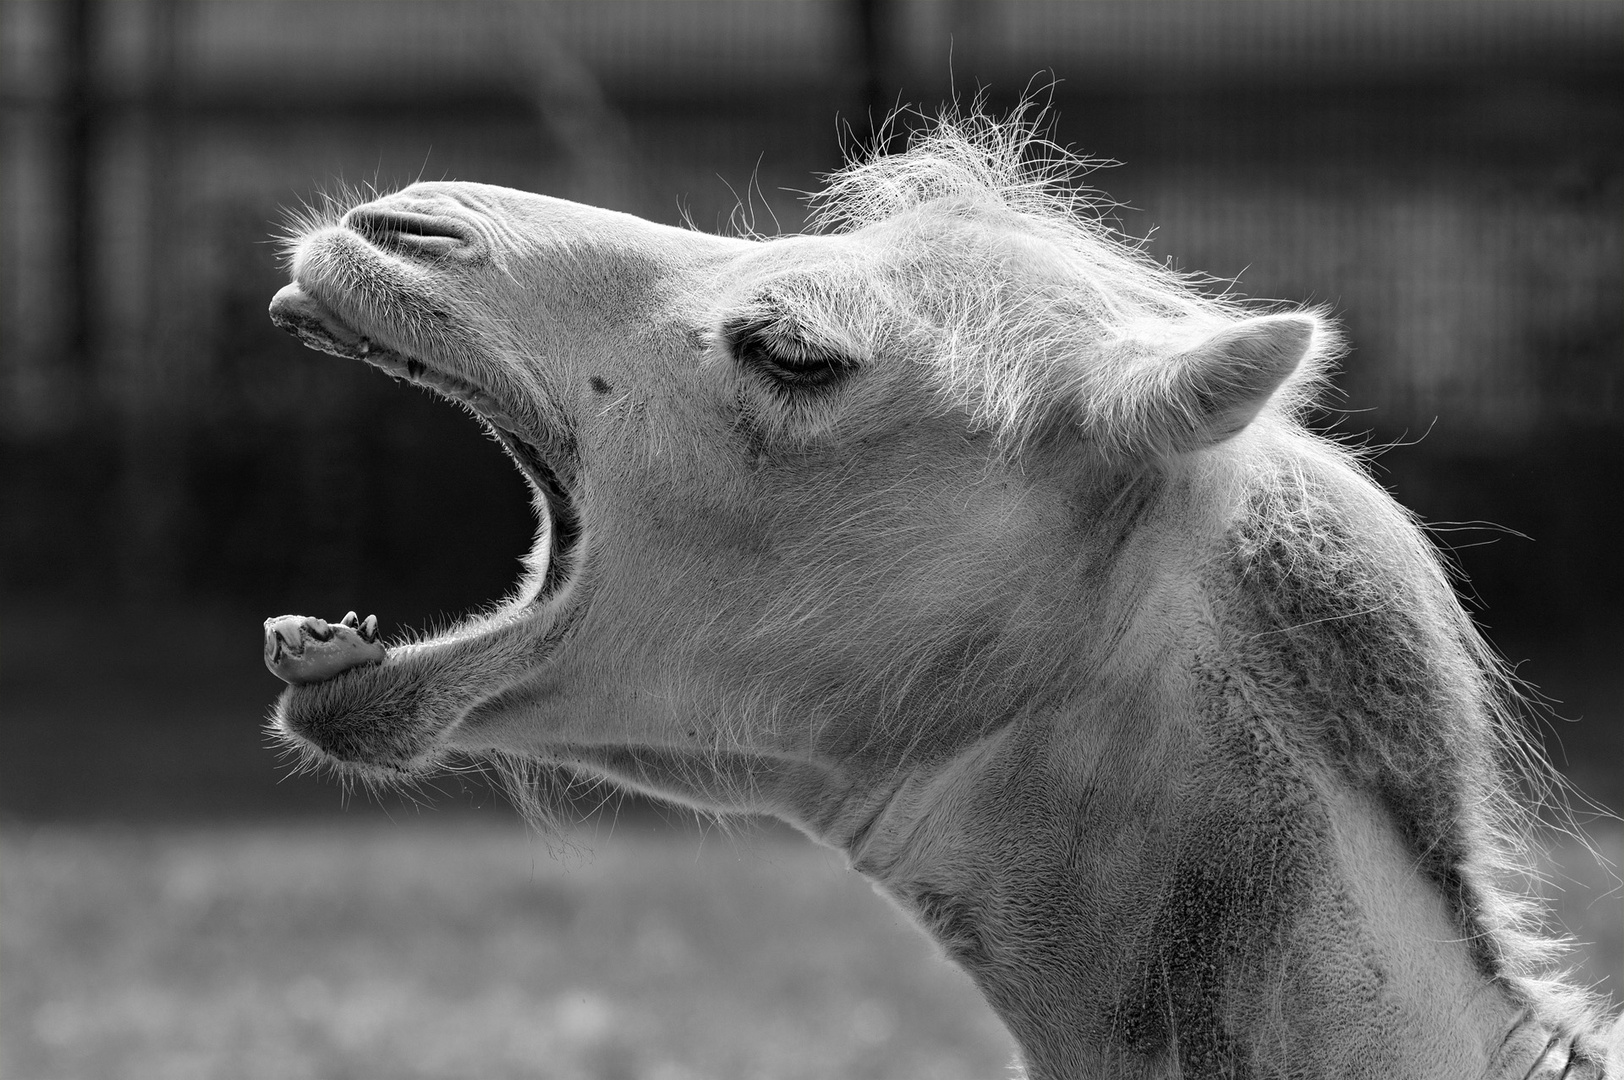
(789, 363)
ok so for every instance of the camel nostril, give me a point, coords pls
(407, 231)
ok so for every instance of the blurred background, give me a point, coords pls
(1446, 175)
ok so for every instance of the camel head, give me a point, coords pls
(802, 500)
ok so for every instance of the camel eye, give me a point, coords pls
(775, 350)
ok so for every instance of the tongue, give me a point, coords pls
(300, 649)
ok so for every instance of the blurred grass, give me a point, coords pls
(465, 948)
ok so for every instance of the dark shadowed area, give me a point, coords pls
(1447, 177)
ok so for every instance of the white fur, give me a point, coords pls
(1034, 597)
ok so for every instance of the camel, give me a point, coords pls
(979, 546)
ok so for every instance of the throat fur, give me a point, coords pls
(1254, 903)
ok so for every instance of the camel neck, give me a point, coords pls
(1278, 931)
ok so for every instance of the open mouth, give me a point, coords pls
(391, 710)
(314, 324)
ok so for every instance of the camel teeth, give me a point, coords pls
(369, 628)
(350, 621)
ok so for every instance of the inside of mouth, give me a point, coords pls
(560, 532)
(561, 526)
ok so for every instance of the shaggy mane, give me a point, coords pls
(1018, 321)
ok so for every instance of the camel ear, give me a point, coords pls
(1215, 389)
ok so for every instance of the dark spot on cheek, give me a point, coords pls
(599, 384)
